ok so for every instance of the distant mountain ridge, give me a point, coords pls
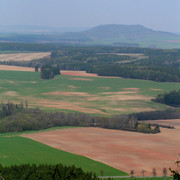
(114, 31)
(110, 34)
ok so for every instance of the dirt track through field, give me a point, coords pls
(121, 149)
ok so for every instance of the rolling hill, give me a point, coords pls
(111, 34)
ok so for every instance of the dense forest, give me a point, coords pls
(128, 62)
(18, 118)
(44, 172)
(171, 98)
(48, 71)
(170, 113)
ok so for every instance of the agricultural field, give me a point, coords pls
(19, 150)
(120, 149)
(77, 91)
(23, 56)
(74, 91)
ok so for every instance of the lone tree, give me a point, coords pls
(132, 172)
(164, 172)
(154, 173)
(102, 172)
(143, 172)
(36, 68)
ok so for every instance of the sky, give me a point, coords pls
(155, 14)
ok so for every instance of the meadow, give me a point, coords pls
(93, 95)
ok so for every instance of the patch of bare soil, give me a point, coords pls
(11, 93)
(71, 86)
(33, 82)
(72, 94)
(78, 73)
(120, 92)
(15, 68)
(75, 106)
(132, 89)
(23, 56)
(153, 89)
(140, 109)
(115, 109)
(82, 79)
(120, 149)
(124, 97)
(83, 94)
(84, 73)
(106, 88)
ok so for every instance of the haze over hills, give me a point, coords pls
(111, 34)
(30, 29)
(116, 31)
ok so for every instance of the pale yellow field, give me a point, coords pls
(23, 56)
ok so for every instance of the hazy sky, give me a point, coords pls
(156, 14)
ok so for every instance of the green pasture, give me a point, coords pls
(97, 95)
(18, 150)
(157, 41)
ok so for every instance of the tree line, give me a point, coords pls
(169, 113)
(44, 172)
(157, 64)
(15, 119)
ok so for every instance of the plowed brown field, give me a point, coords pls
(121, 149)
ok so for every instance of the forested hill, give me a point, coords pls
(110, 31)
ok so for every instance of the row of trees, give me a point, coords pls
(161, 74)
(17, 120)
(154, 172)
(169, 113)
(18, 117)
(44, 172)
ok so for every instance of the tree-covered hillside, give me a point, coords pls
(128, 62)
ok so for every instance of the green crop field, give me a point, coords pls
(19, 150)
(95, 95)
(150, 41)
